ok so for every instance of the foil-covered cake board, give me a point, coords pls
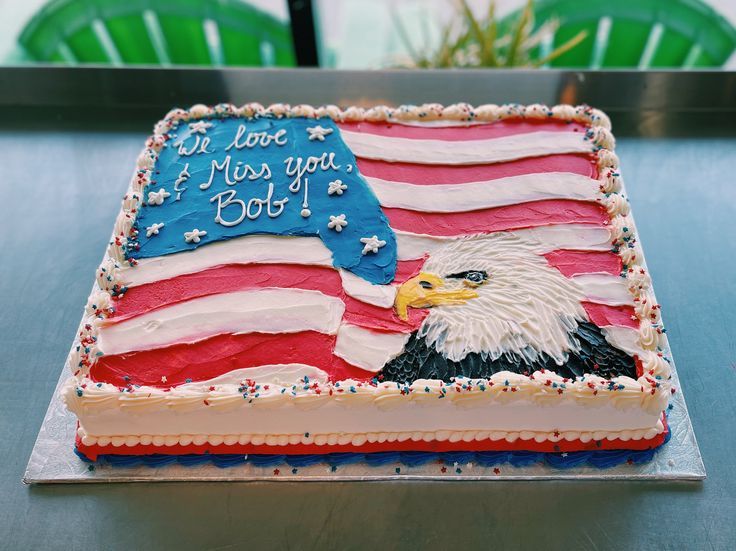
(53, 460)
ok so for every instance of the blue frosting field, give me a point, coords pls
(602, 459)
(189, 207)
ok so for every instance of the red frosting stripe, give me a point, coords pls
(511, 217)
(221, 354)
(604, 315)
(572, 263)
(239, 277)
(406, 269)
(226, 279)
(419, 174)
(461, 133)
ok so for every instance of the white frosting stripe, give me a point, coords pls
(624, 338)
(481, 195)
(605, 289)
(278, 374)
(262, 311)
(495, 150)
(250, 249)
(556, 236)
(365, 291)
(367, 349)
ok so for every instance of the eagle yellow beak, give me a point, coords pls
(426, 290)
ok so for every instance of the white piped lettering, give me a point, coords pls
(253, 139)
(240, 172)
(296, 168)
(252, 210)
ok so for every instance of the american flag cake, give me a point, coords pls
(300, 280)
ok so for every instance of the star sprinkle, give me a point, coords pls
(199, 127)
(153, 229)
(372, 244)
(318, 133)
(194, 236)
(157, 197)
(336, 187)
(163, 378)
(337, 223)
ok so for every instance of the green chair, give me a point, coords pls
(157, 32)
(636, 33)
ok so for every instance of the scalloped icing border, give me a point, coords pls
(361, 439)
(650, 391)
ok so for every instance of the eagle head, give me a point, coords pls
(495, 295)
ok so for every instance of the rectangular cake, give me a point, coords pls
(299, 280)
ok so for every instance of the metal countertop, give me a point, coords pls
(63, 170)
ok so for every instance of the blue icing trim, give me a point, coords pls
(382, 458)
(343, 458)
(458, 457)
(414, 459)
(265, 460)
(567, 460)
(283, 192)
(522, 459)
(304, 460)
(489, 459)
(602, 459)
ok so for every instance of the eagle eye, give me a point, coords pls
(472, 277)
(426, 285)
(476, 277)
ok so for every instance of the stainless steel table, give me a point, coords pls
(62, 170)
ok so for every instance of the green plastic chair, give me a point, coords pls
(636, 33)
(157, 32)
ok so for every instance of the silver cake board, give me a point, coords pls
(53, 461)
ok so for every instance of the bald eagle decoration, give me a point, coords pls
(496, 305)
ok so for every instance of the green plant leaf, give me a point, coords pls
(470, 41)
(491, 33)
(557, 52)
(519, 35)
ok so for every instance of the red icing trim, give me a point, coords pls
(571, 262)
(488, 131)
(221, 354)
(523, 215)
(300, 449)
(419, 174)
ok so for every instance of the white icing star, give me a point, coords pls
(194, 235)
(163, 378)
(318, 133)
(153, 229)
(564, 454)
(199, 127)
(157, 197)
(337, 223)
(336, 187)
(372, 244)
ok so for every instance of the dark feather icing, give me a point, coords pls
(595, 355)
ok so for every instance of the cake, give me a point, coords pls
(296, 280)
